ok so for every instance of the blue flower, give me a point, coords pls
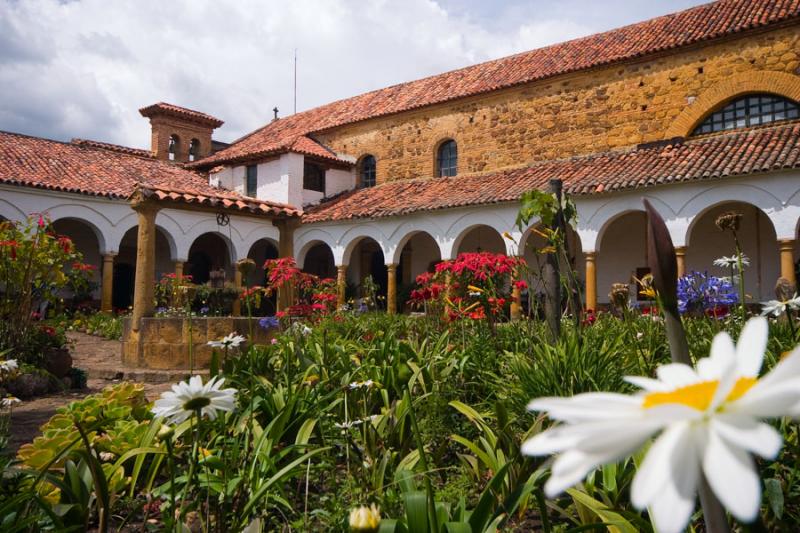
(204, 310)
(269, 322)
(699, 292)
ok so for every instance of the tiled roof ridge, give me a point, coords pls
(231, 200)
(760, 149)
(89, 143)
(730, 17)
(221, 193)
(166, 107)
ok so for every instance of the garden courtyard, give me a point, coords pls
(552, 292)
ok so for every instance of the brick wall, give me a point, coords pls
(594, 111)
(163, 127)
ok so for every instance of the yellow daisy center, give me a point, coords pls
(697, 395)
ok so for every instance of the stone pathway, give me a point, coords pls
(101, 359)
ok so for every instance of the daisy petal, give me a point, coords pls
(647, 384)
(587, 407)
(656, 469)
(672, 507)
(721, 358)
(751, 346)
(677, 375)
(732, 476)
(748, 434)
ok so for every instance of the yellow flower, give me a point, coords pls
(365, 519)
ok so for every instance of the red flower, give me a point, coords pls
(521, 284)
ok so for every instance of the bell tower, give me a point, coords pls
(179, 134)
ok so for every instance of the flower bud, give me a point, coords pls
(365, 519)
(165, 433)
(729, 221)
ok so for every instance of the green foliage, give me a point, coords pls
(118, 415)
(424, 419)
(36, 266)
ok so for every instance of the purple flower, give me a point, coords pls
(204, 310)
(269, 322)
(699, 292)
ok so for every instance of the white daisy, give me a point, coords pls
(9, 401)
(231, 340)
(709, 420)
(778, 307)
(731, 261)
(186, 398)
(8, 365)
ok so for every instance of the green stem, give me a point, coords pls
(423, 458)
(171, 464)
(740, 266)
(192, 461)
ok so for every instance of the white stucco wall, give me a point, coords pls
(619, 246)
(337, 180)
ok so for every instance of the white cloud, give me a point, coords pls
(83, 68)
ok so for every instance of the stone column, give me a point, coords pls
(591, 281)
(341, 284)
(237, 283)
(144, 289)
(680, 257)
(286, 229)
(391, 288)
(179, 269)
(787, 259)
(108, 283)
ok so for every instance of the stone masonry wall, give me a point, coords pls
(163, 343)
(594, 111)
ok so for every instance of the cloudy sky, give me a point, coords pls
(82, 68)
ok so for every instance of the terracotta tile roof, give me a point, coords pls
(701, 23)
(113, 147)
(220, 199)
(748, 152)
(92, 168)
(163, 108)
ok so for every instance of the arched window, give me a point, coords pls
(172, 149)
(751, 110)
(447, 159)
(194, 150)
(367, 171)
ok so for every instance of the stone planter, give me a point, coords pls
(58, 362)
(165, 343)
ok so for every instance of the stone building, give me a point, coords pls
(696, 111)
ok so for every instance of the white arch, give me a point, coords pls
(398, 249)
(99, 223)
(101, 242)
(592, 227)
(463, 224)
(166, 226)
(700, 203)
(11, 212)
(232, 252)
(303, 252)
(353, 236)
(697, 217)
(460, 237)
(601, 232)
